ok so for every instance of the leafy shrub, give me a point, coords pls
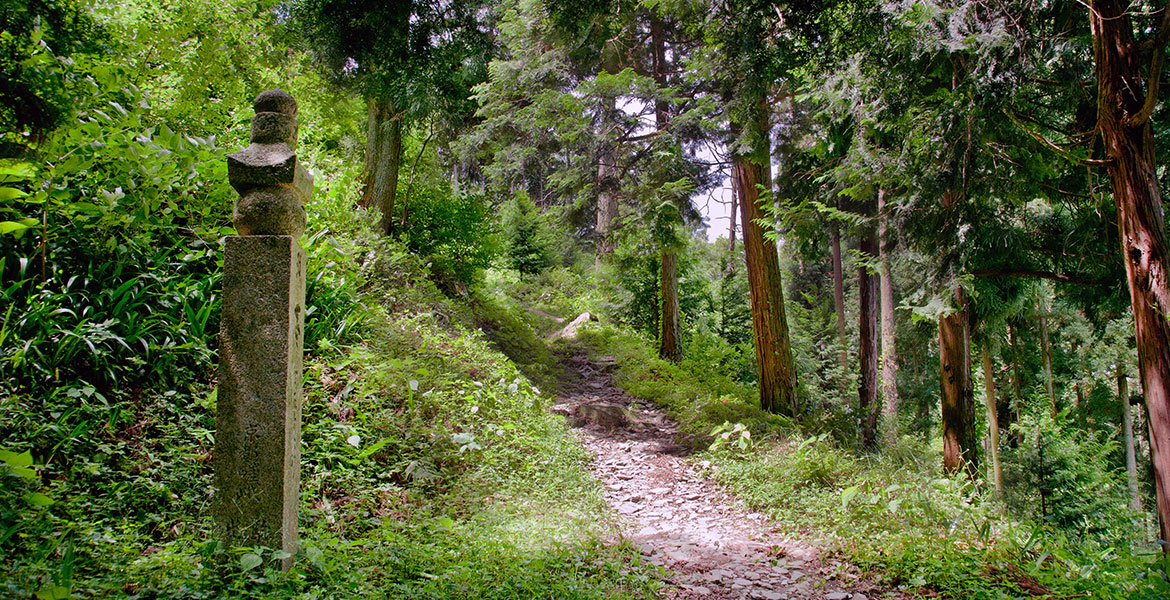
(113, 278)
(452, 231)
(1060, 476)
(525, 233)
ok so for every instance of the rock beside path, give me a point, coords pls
(570, 331)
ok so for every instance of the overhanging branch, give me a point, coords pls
(1038, 274)
(1155, 76)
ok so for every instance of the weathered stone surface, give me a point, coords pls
(570, 331)
(609, 416)
(278, 101)
(258, 412)
(275, 210)
(272, 184)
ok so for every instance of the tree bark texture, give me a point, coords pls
(1123, 109)
(383, 157)
(958, 404)
(732, 215)
(867, 352)
(777, 374)
(992, 418)
(889, 345)
(670, 346)
(1135, 495)
(1046, 351)
(839, 294)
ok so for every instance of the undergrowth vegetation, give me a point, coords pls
(1062, 531)
(895, 514)
(431, 467)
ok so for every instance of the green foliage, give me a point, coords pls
(420, 57)
(1062, 476)
(116, 280)
(526, 234)
(431, 467)
(454, 232)
(698, 395)
(38, 44)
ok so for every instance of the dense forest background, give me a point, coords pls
(916, 340)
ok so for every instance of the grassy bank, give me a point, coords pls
(431, 467)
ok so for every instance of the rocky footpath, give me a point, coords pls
(682, 521)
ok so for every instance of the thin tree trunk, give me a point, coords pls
(607, 173)
(1046, 351)
(992, 418)
(958, 404)
(777, 373)
(1135, 501)
(670, 347)
(839, 294)
(734, 209)
(1012, 413)
(889, 345)
(383, 157)
(867, 324)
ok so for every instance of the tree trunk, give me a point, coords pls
(777, 373)
(607, 174)
(958, 404)
(1122, 118)
(889, 346)
(867, 351)
(992, 418)
(1011, 413)
(1046, 351)
(670, 346)
(734, 209)
(839, 294)
(383, 156)
(1135, 500)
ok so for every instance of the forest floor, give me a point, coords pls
(710, 543)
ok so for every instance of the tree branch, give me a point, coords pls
(1155, 76)
(1037, 274)
(1085, 162)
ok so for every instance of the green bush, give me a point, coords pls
(525, 233)
(454, 232)
(113, 278)
(1060, 476)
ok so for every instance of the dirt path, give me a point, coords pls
(681, 520)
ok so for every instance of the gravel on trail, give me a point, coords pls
(681, 520)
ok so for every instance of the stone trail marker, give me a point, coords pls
(258, 419)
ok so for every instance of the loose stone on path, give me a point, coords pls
(683, 521)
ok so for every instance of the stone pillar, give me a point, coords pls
(258, 416)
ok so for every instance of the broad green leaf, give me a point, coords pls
(374, 448)
(54, 592)
(38, 499)
(12, 227)
(7, 193)
(12, 459)
(22, 170)
(848, 494)
(250, 561)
